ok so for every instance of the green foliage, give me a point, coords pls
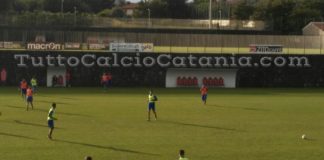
(243, 11)
(284, 16)
(117, 12)
(164, 9)
(105, 13)
(5, 5)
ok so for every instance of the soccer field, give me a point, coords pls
(236, 124)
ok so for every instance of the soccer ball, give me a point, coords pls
(303, 136)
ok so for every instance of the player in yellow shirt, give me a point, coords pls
(151, 105)
(50, 120)
(33, 83)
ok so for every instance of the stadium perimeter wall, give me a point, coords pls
(155, 75)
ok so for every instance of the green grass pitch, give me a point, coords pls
(236, 124)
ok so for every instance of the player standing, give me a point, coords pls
(29, 98)
(33, 83)
(105, 81)
(23, 88)
(50, 120)
(151, 105)
(203, 91)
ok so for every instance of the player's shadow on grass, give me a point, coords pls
(106, 147)
(69, 98)
(241, 108)
(32, 124)
(17, 136)
(50, 102)
(203, 126)
(46, 111)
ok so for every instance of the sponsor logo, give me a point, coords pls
(268, 49)
(131, 47)
(97, 46)
(72, 46)
(44, 46)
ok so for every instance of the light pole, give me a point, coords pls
(210, 14)
(220, 13)
(75, 14)
(62, 5)
(149, 17)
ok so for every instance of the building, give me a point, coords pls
(129, 9)
(314, 29)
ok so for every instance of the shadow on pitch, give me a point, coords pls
(46, 111)
(32, 124)
(17, 136)
(69, 98)
(202, 126)
(241, 108)
(105, 147)
(50, 102)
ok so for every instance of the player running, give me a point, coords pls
(151, 105)
(203, 91)
(33, 83)
(50, 120)
(29, 98)
(23, 88)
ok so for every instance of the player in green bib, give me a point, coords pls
(50, 120)
(151, 105)
(33, 83)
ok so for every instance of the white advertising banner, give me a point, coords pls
(131, 47)
(227, 76)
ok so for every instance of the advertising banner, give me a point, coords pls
(131, 47)
(98, 46)
(72, 46)
(44, 46)
(266, 49)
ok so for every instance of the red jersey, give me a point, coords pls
(23, 85)
(109, 77)
(203, 90)
(67, 76)
(3, 75)
(105, 78)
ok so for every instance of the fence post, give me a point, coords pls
(321, 41)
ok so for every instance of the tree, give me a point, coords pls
(164, 9)
(289, 16)
(276, 13)
(243, 10)
(158, 9)
(5, 5)
(117, 12)
(177, 8)
(105, 13)
(99, 5)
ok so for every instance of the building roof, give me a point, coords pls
(319, 25)
(130, 6)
